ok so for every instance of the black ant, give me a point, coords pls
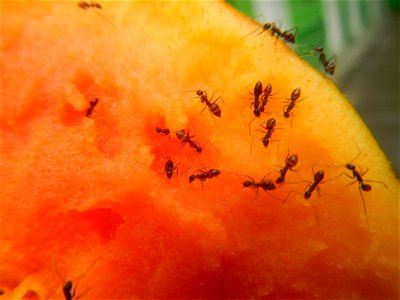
(92, 4)
(329, 65)
(212, 106)
(290, 163)
(164, 131)
(92, 104)
(169, 168)
(293, 98)
(204, 174)
(186, 138)
(256, 102)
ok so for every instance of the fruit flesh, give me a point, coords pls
(77, 191)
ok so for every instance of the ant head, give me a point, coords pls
(366, 187)
(271, 123)
(94, 101)
(199, 149)
(292, 161)
(295, 94)
(158, 129)
(350, 166)
(68, 285)
(180, 134)
(199, 92)
(280, 179)
(318, 49)
(319, 176)
(247, 183)
(258, 89)
(307, 194)
(257, 112)
(286, 114)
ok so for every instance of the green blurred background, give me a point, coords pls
(364, 37)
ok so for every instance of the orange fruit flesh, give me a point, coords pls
(86, 198)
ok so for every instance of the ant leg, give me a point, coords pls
(379, 182)
(208, 142)
(351, 183)
(292, 191)
(250, 124)
(365, 208)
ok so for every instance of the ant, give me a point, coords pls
(212, 106)
(287, 35)
(265, 95)
(67, 290)
(92, 4)
(293, 98)
(318, 177)
(329, 65)
(92, 104)
(169, 168)
(164, 131)
(204, 174)
(270, 129)
(265, 184)
(290, 163)
(186, 138)
(363, 185)
(256, 103)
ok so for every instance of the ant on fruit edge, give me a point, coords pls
(363, 185)
(288, 35)
(328, 65)
(92, 4)
(70, 294)
(92, 105)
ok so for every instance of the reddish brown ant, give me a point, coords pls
(318, 177)
(164, 131)
(86, 5)
(329, 65)
(204, 174)
(265, 184)
(256, 102)
(212, 106)
(290, 162)
(169, 168)
(293, 98)
(265, 95)
(287, 35)
(363, 185)
(92, 105)
(271, 123)
(186, 138)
